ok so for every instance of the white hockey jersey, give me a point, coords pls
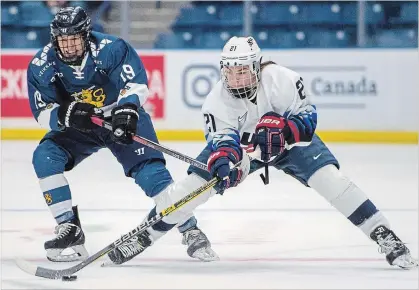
(280, 90)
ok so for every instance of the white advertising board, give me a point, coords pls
(352, 89)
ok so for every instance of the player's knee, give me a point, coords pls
(329, 182)
(152, 177)
(338, 189)
(177, 191)
(49, 159)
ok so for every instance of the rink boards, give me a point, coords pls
(367, 96)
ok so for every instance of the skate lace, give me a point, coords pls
(62, 230)
(388, 244)
(193, 236)
(131, 248)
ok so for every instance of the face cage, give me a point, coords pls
(247, 91)
(73, 60)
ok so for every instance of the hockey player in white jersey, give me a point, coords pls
(261, 108)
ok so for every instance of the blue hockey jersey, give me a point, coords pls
(111, 74)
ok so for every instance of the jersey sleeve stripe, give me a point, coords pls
(137, 93)
(48, 117)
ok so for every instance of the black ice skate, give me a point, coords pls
(129, 250)
(395, 250)
(69, 235)
(199, 246)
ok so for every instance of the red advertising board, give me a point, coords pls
(154, 65)
(14, 91)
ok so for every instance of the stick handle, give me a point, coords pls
(102, 123)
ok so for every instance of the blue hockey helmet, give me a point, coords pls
(70, 34)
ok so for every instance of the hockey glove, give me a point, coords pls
(124, 123)
(270, 135)
(77, 115)
(219, 163)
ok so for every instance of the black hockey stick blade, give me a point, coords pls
(265, 178)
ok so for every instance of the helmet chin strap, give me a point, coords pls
(252, 96)
(75, 60)
(245, 92)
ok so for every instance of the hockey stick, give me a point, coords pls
(58, 274)
(102, 123)
(265, 178)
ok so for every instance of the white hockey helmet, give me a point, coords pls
(240, 67)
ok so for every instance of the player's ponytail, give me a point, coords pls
(266, 63)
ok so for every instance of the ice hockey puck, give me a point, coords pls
(69, 278)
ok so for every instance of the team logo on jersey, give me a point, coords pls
(92, 95)
(48, 198)
(140, 151)
(242, 119)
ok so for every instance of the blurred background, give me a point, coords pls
(208, 24)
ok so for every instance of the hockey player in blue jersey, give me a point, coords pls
(79, 74)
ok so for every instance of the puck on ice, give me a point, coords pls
(69, 278)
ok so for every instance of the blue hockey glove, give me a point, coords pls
(219, 163)
(269, 135)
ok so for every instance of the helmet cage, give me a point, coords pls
(238, 84)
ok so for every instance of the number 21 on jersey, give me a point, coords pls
(210, 123)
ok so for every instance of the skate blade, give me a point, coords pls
(80, 254)
(206, 255)
(406, 262)
(108, 262)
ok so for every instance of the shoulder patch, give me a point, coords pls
(95, 50)
(44, 55)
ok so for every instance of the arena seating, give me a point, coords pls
(25, 24)
(276, 24)
(294, 24)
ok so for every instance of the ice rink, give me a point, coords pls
(278, 236)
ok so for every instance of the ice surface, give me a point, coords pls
(278, 236)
